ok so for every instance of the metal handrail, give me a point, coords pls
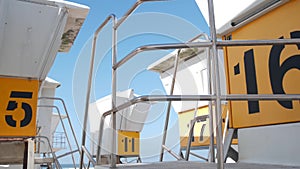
(232, 97)
(114, 77)
(68, 117)
(132, 9)
(128, 13)
(64, 128)
(213, 44)
(171, 152)
(176, 62)
(204, 44)
(67, 113)
(219, 43)
(160, 47)
(51, 150)
(191, 130)
(116, 24)
(198, 156)
(210, 109)
(92, 60)
(66, 154)
(89, 156)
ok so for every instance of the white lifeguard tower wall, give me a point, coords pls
(130, 119)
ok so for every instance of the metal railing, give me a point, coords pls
(163, 146)
(215, 92)
(212, 97)
(64, 127)
(59, 140)
(176, 61)
(116, 24)
(111, 17)
(56, 162)
(191, 130)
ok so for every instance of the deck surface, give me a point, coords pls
(196, 165)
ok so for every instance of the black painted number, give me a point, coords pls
(12, 105)
(253, 106)
(277, 72)
(127, 142)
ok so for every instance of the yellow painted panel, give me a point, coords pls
(201, 130)
(196, 143)
(18, 106)
(265, 69)
(128, 143)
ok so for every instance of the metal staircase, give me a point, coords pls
(55, 159)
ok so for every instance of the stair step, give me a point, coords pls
(38, 160)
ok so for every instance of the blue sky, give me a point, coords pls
(151, 23)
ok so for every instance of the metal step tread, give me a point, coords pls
(38, 160)
(197, 165)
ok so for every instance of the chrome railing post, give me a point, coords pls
(101, 127)
(211, 158)
(191, 131)
(210, 109)
(169, 106)
(114, 94)
(64, 128)
(216, 84)
(89, 85)
(83, 139)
